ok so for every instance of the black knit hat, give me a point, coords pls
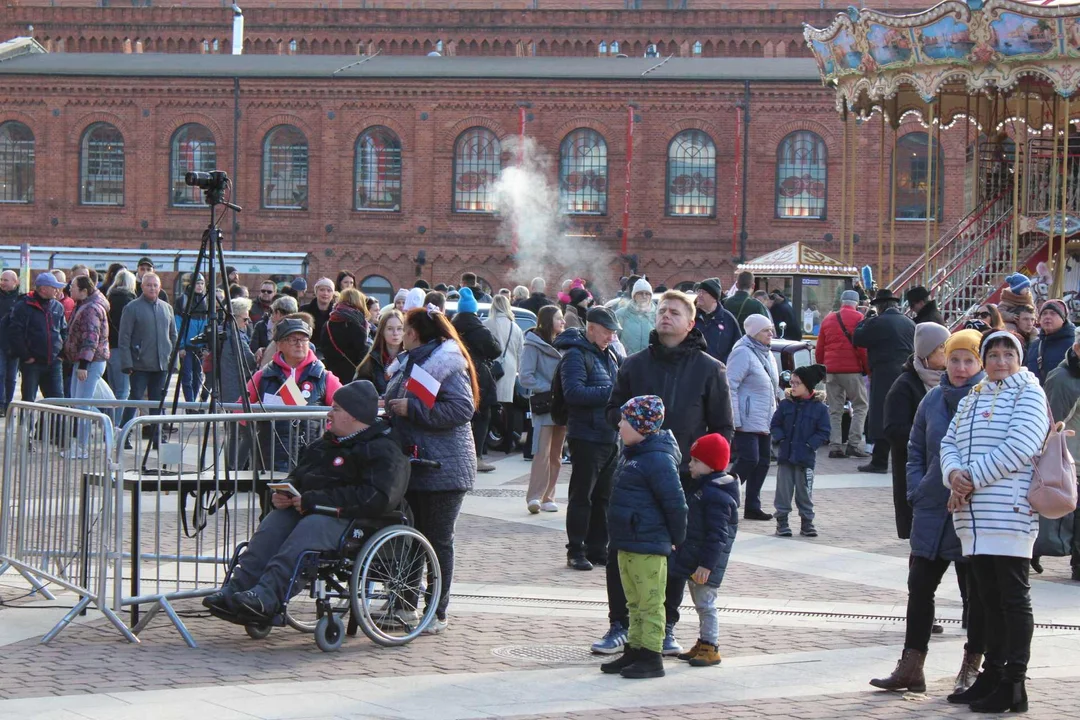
(360, 399)
(711, 286)
(810, 375)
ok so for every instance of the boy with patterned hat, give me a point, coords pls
(646, 517)
(712, 499)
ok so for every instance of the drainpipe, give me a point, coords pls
(745, 105)
(234, 195)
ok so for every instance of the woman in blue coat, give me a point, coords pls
(934, 544)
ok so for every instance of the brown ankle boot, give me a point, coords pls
(969, 670)
(908, 674)
(692, 652)
(707, 656)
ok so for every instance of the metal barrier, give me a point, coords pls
(216, 467)
(55, 527)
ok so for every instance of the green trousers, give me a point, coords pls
(644, 580)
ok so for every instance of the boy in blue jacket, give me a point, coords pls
(712, 519)
(801, 426)
(646, 517)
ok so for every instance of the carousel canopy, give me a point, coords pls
(798, 259)
(990, 61)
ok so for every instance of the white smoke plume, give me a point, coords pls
(548, 245)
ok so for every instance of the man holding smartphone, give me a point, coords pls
(355, 467)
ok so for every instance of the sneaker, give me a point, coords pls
(249, 603)
(75, 454)
(837, 453)
(220, 600)
(613, 641)
(872, 468)
(549, 506)
(756, 515)
(578, 562)
(782, 527)
(437, 626)
(534, 506)
(484, 466)
(808, 529)
(597, 560)
(671, 645)
(854, 452)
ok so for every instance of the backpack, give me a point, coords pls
(1052, 492)
(560, 411)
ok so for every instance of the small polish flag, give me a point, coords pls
(423, 386)
(290, 393)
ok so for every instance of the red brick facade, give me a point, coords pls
(428, 116)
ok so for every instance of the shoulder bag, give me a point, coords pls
(1052, 492)
(497, 369)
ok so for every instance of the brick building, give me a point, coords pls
(366, 162)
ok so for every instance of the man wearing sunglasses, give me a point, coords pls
(262, 302)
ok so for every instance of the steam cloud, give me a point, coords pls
(528, 203)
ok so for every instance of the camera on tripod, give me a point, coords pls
(212, 184)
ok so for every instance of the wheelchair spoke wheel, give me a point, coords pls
(395, 585)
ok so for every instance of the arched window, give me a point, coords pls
(583, 173)
(691, 175)
(378, 170)
(16, 163)
(193, 150)
(378, 287)
(912, 176)
(801, 176)
(101, 166)
(477, 164)
(285, 169)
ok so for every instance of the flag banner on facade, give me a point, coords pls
(290, 393)
(423, 386)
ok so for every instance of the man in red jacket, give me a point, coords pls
(846, 379)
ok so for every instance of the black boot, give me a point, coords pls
(628, 657)
(1008, 696)
(984, 684)
(649, 664)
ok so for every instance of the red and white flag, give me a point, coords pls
(290, 393)
(423, 386)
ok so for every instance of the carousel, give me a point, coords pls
(1003, 73)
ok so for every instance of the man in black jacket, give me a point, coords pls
(693, 385)
(9, 363)
(925, 309)
(783, 314)
(483, 349)
(37, 331)
(889, 339)
(356, 467)
(537, 299)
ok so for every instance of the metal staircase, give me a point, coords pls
(968, 264)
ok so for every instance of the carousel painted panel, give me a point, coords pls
(889, 45)
(1013, 35)
(948, 39)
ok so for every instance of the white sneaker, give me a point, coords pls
(436, 626)
(75, 454)
(534, 506)
(549, 506)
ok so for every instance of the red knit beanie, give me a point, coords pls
(713, 450)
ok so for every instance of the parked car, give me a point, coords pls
(525, 318)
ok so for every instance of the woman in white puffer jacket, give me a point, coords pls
(987, 457)
(755, 390)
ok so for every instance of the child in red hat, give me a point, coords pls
(712, 519)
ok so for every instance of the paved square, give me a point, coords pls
(805, 623)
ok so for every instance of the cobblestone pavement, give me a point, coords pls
(521, 623)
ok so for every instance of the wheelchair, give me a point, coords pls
(384, 576)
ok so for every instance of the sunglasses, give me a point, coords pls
(982, 315)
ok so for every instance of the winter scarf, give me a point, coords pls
(930, 378)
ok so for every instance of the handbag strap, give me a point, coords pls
(850, 339)
(506, 345)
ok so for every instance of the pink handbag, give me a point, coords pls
(1052, 493)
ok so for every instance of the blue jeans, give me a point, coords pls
(191, 376)
(49, 378)
(9, 369)
(144, 385)
(85, 389)
(120, 384)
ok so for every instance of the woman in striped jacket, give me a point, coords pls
(986, 460)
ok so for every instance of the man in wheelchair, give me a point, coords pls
(355, 466)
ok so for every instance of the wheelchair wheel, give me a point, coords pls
(329, 633)
(258, 632)
(395, 575)
(302, 613)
